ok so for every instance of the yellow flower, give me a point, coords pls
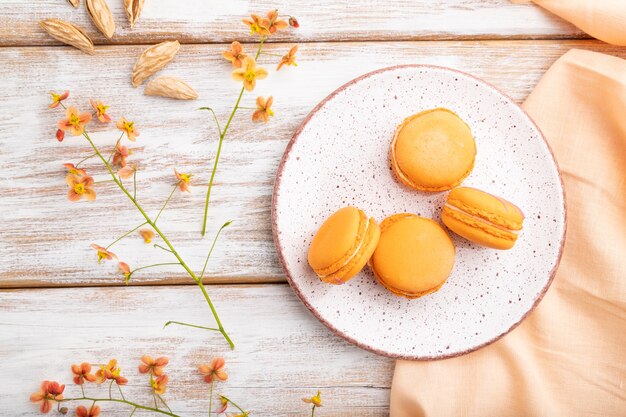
(264, 110)
(289, 58)
(249, 73)
(258, 25)
(315, 400)
(183, 180)
(101, 111)
(74, 121)
(235, 55)
(127, 127)
(147, 235)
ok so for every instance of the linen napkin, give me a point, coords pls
(568, 358)
(602, 19)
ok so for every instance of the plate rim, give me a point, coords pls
(297, 290)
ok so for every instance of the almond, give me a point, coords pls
(69, 34)
(101, 16)
(133, 10)
(170, 87)
(152, 60)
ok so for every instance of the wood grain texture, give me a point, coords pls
(200, 21)
(45, 238)
(282, 353)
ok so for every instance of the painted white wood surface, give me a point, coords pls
(282, 353)
(45, 238)
(195, 21)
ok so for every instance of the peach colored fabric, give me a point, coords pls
(568, 358)
(602, 19)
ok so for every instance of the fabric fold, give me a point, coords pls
(602, 19)
(568, 358)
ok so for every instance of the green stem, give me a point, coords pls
(124, 235)
(164, 403)
(213, 245)
(133, 412)
(113, 400)
(313, 411)
(134, 185)
(115, 147)
(153, 265)
(82, 389)
(84, 159)
(165, 239)
(233, 403)
(219, 147)
(217, 122)
(166, 201)
(190, 325)
(120, 390)
(211, 399)
(110, 387)
(156, 245)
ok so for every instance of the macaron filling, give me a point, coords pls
(354, 254)
(487, 226)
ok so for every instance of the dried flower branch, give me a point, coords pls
(247, 71)
(81, 185)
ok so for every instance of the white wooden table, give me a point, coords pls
(57, 306)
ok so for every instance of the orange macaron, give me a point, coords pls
(433, 150)
(482, 218)
(343, 245)
(414, 256)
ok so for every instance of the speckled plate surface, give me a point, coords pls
(339, 157)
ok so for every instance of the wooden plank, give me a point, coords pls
(199, 21)
(45, 239)
(282, 353)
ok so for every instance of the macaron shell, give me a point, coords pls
(356, 264)
(477, 231)
(433, 150)
(490, 207)
(337, 240)
(414, 256)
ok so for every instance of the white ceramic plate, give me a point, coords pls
(339, 157)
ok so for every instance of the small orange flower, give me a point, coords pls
(249, 73)
(159, 384)
(264, 110)
(289, 58)
(223, 405)
(257, 25)
(315, 400)
(110, 371)
(82, 373)
(74, 122)
(183, 180)
(154, 366)
(126, 172)
(120, 155)
(82, 411)
(274, 23)
(123, 266)
(147, 235)
(60, 135)
(71, 169)
(80, 187)
(49, 393)
(235, 55)
(58, 98)
(101, 111)
(103, 253)
(127, 127)
(214, 370)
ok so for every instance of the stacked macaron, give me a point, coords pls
(412, 256)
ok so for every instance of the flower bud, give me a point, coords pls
(60, 135)
(293, 22)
